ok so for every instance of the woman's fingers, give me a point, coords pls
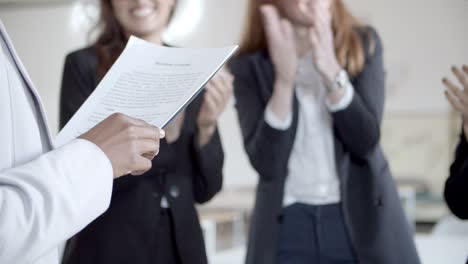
(209, 101)
(217, 95)
(304, 7)
(322, 19)
(462, 97)
(228, 87)
(286, 29)
(150, 155)
(454, 102)
(271, 22)
(148, 130)
(141, 166)
(148, 147)
(221, 86)
(136, 122)
(145, 132)
(314, 38)
(461, 76)
(321, 32)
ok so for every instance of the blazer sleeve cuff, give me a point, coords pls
(275, 122)
(343, 103)
(210, 155)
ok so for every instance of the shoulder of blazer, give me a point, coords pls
(372, 45)
(85, 59)
(257, 70)
(85, 54)
(241, 65)
(371, 41)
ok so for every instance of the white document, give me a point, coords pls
(148, 82)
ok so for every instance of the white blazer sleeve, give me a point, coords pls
(48, 200)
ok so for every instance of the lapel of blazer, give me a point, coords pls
(29, 84)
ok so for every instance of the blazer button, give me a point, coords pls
(174, 191)
(378, 202)
(155, 194)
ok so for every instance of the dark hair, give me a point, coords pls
(111, 39)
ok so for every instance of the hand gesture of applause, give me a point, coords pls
(458, 96)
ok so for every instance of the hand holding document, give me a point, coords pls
(148, 82)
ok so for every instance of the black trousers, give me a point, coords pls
(166, 251)
(314, 234)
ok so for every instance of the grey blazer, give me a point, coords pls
(378, 228)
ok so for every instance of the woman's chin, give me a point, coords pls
(143, 30)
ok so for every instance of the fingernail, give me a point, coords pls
(162, 133)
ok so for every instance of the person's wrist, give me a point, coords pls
(335, 96)
(115, 172)
(283, 84)
(205, 132)
(282, 94)
(207, 127)
(332, 71)
(281, 101)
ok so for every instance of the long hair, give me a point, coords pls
(349, 47)
(111, 39)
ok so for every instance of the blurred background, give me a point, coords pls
(422, 40)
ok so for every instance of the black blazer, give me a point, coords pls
(183, 172)
(456, 186)
(378, 228)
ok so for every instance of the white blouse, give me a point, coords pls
(312, 175)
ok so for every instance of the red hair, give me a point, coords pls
(349, 47)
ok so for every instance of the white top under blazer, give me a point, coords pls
(312, 175)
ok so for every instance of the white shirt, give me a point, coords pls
(312, 175)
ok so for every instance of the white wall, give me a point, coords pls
(422, 38)
(43, 35)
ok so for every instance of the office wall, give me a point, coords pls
(42, 35)
(422, 38)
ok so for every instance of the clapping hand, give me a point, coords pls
(322, 40)
(458, 96)
(218, 92)
(281, 45)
